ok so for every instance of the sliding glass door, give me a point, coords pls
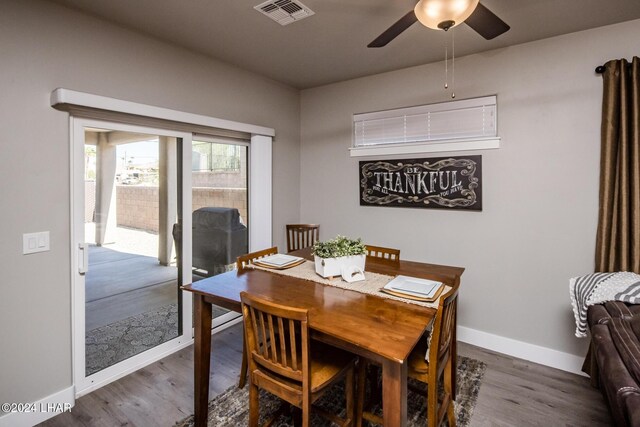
(220, 210)
(128, 197)
(141, 229)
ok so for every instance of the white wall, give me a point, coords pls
(537, 228)
(44, 46)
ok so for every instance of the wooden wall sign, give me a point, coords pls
(442, 183)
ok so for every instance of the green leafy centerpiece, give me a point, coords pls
(333, 255)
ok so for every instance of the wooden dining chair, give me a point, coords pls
(437, 369)
(244, 260)
(284, 361)
(384, 253)
(241, 263)
(300, 236)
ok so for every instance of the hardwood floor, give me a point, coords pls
(514, 392)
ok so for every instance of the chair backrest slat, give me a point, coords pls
(272, 339)
(264, 342)
(300, 236)
(448, 316)
(254, 328)
(444, 324)
(292, 340)
(277, 337)
(283, 345)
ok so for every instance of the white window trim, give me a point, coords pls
(62, 96)
(426, 147)
(260, 188)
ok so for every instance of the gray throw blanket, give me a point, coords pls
(598, 288)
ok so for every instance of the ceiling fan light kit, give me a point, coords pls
(444, 14)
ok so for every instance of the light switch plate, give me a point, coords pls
(35, 242)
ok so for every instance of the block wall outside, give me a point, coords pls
(138, 206)
(219, 179)
(222, 198)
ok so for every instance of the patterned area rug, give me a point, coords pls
(231, 408)
(110, 344)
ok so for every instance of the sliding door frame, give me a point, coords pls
(85, 384)
(83, 106)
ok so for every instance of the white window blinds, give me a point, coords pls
(434, 123)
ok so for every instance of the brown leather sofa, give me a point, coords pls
(614, 358)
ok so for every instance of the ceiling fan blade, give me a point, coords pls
(395, 30)
(486, 23)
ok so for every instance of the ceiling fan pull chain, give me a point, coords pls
(453, 62)
(446, 66)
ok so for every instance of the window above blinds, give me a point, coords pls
(448, 126)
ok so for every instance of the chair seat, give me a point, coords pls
(326, 364)
(417, 362)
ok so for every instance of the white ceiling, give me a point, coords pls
(331, 45)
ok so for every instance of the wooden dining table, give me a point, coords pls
(381, 329)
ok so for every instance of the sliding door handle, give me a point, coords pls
(83, 258)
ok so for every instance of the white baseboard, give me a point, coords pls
(522, 350)
(41, 410)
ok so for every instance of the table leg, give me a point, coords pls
(394, 394)
(201, 359)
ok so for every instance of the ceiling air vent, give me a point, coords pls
(284, 12)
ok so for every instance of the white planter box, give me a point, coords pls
(332, 267)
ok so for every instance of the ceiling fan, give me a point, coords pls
(446, 14)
